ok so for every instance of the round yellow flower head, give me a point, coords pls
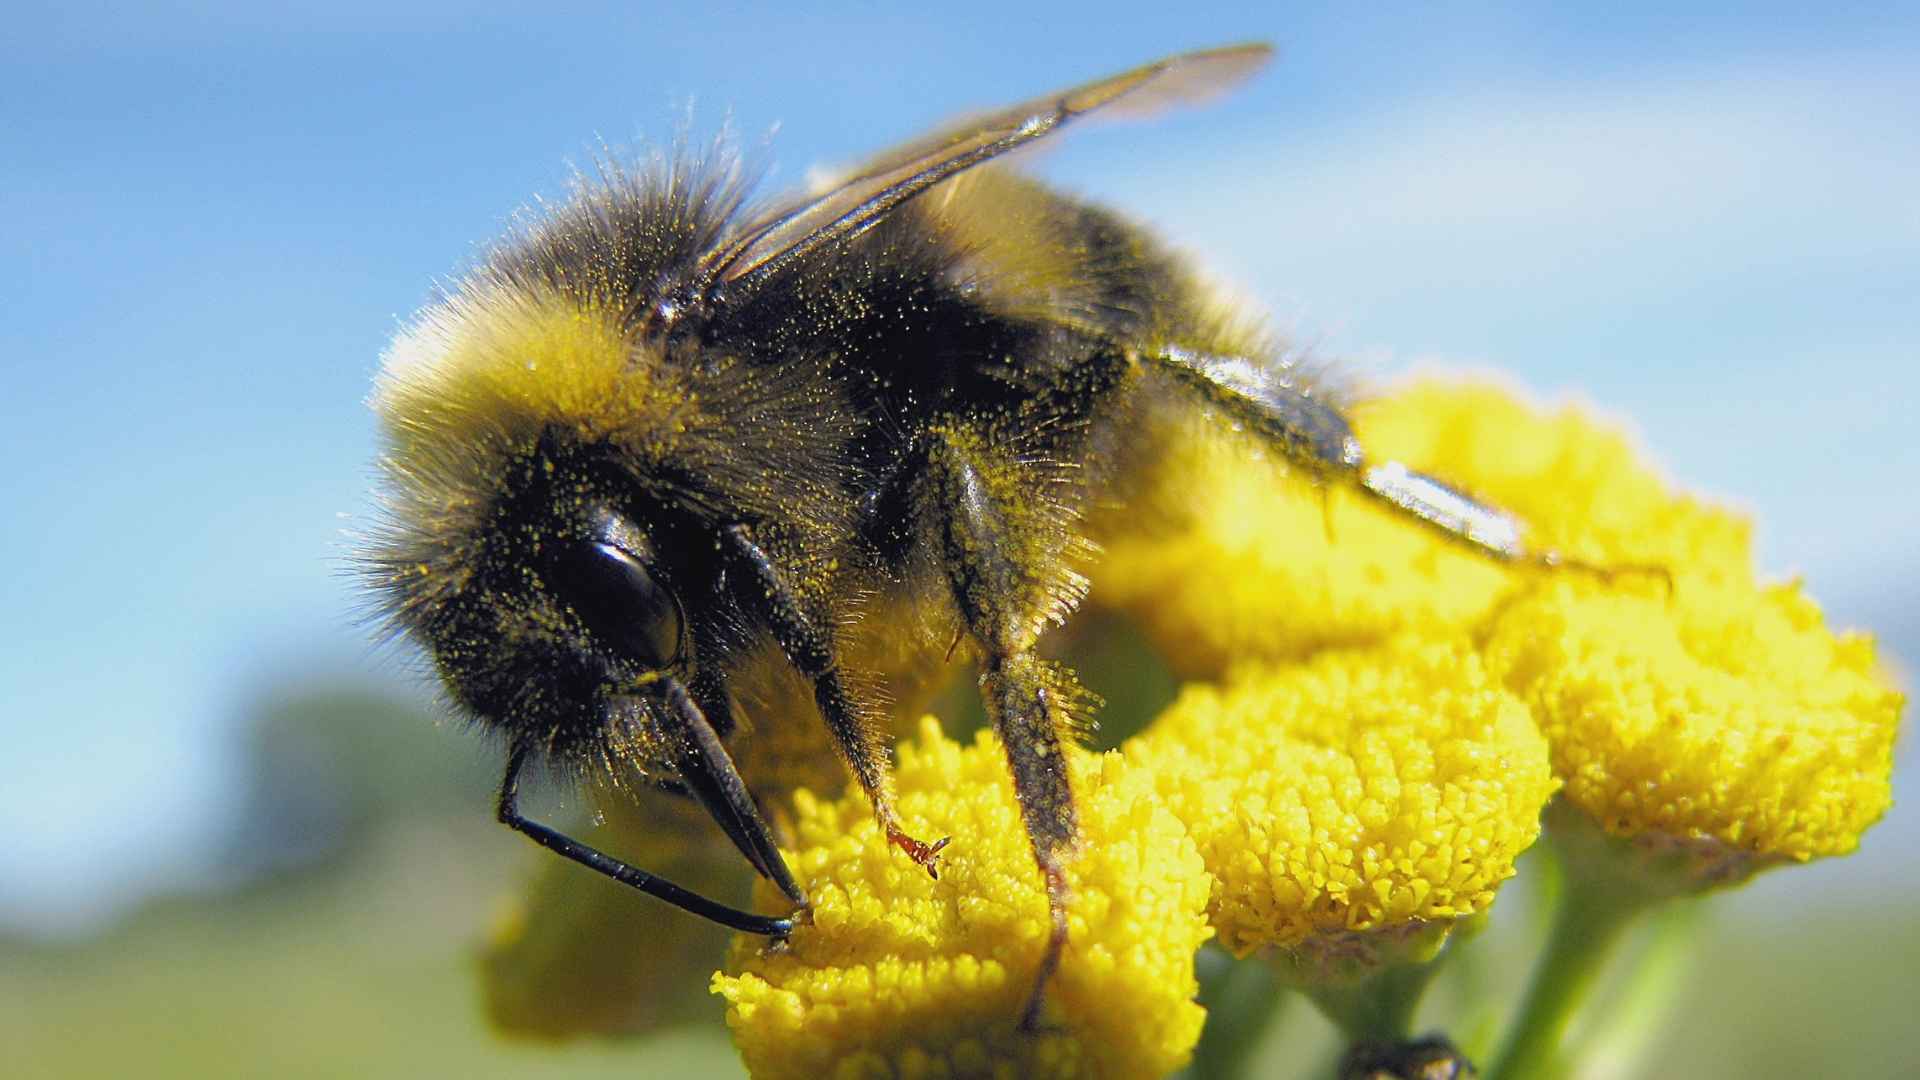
(1289, 567)
(1728, 719)
(1365, 791)
(899, 974)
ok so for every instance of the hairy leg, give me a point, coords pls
(1004, 547)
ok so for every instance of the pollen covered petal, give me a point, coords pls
(901, 974)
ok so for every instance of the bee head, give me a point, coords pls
(531, 445)
(565, 435)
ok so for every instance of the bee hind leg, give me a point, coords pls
(1020, 696)
(1277, 405)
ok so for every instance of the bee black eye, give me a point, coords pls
(619, 599)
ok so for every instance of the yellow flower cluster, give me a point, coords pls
(1680, 698)
(1302, 806)
(1293, 567)
(903, 975)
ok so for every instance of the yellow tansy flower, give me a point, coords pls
(1727, 718)
(903, 975)
(1367, 791)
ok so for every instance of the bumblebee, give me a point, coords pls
(660, 431)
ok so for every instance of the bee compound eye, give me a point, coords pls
(619, 599)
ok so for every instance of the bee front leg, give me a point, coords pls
(860, 737)
(1004, 550)
(709, 775)
(508, 811)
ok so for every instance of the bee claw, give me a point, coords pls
(1608, 574)
(927, 855)
(1031, 1022)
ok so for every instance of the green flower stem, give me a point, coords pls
(1604, 887)
(1378, 1008)
(1243, 1000)
(1369, 982)
(1589, 924)
(1621, 1038)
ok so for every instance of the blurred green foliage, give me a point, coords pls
(325, 768)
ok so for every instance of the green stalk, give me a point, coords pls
(1378, 1008)
(1588, 925)
(1243, 1000)
(1605, 884)
(1621, 1039)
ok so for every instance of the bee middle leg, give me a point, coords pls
(1002, 547)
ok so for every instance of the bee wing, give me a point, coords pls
(907, 170)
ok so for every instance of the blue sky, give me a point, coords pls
(213, 216)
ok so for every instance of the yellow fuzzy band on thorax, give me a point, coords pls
(493, 366)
